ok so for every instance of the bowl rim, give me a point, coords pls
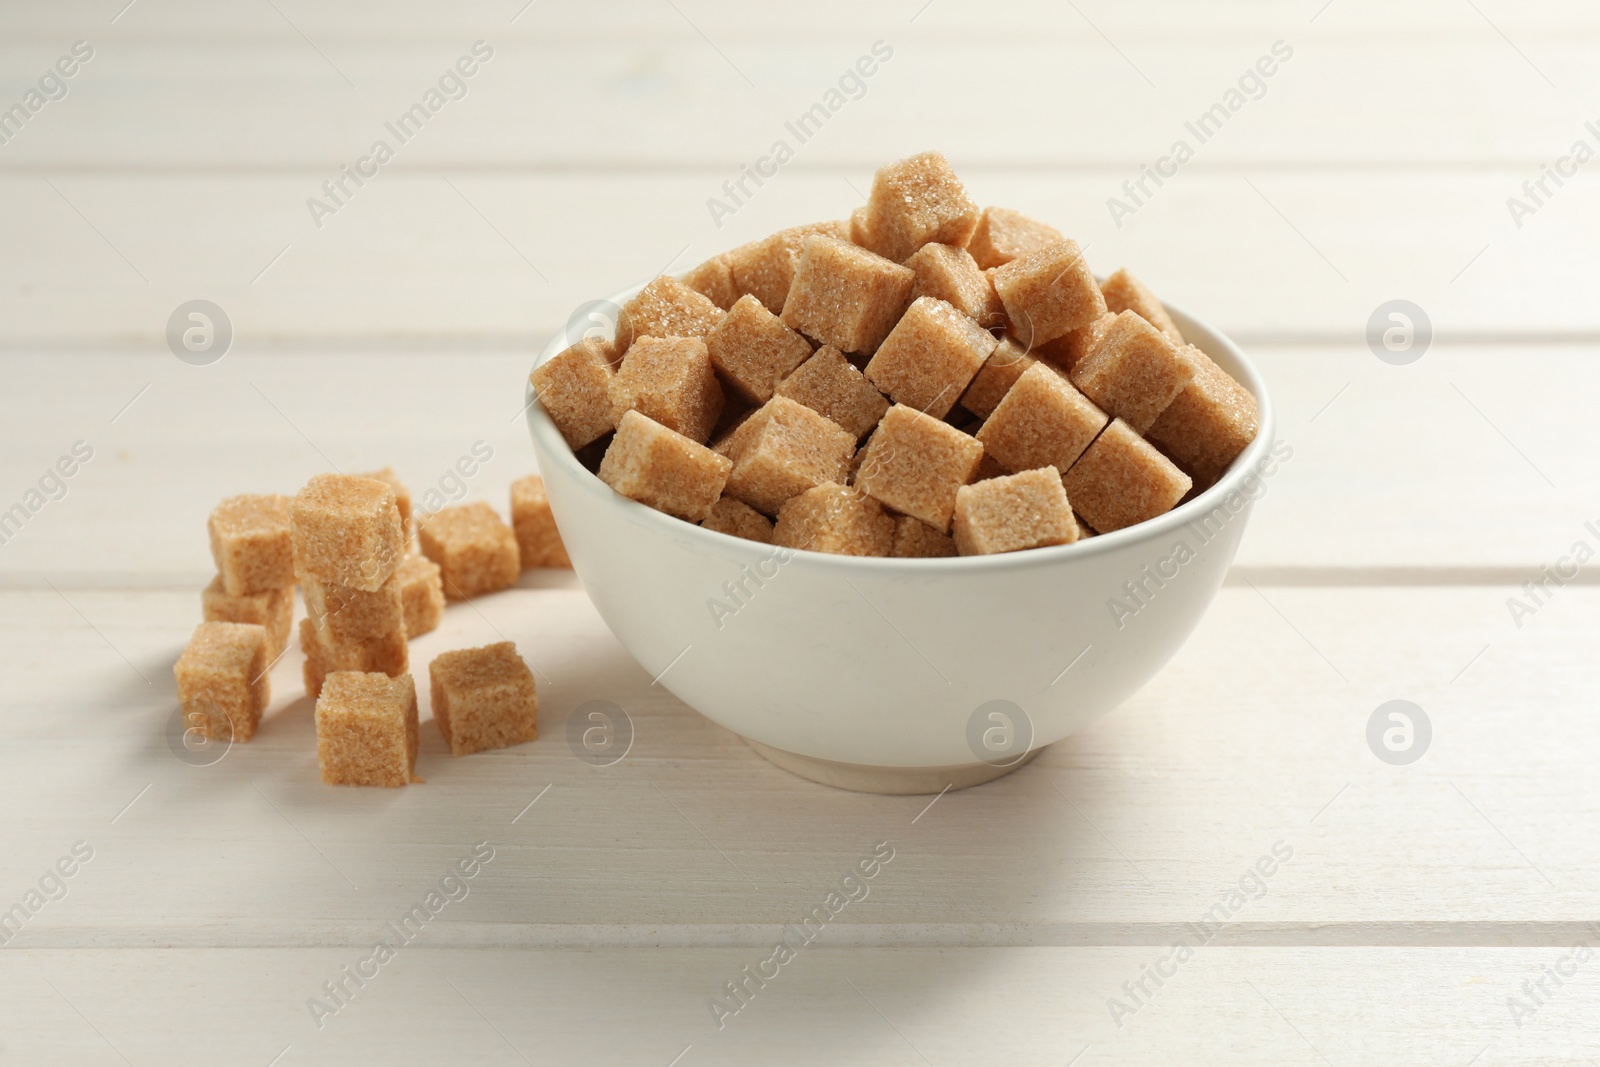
(550, 442)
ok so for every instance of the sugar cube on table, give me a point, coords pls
(830, 385)
(1016, 512)
(1003, 235)
(421, 594)
(346, 531)
(663, 469)
(738, 519)
(664, 308)
(574, 386)
(273, 610)
(837, 519)
(251, 543)
(753, 350)
(785, 449)
(367, 729)
(483, 698)
(1048, 293)
(917, 200)
(930, 357)
(222, 680)
(1124, 292)
(1133, 371)
(846, 296)
(476, 551)
(1121, 480)
(386, 654)
(950, 274)
(914, 464)
(766, 268)
(1207, 425)
(672, 381)
(538, 540)
(915, 539)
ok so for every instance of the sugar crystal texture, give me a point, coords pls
(272, 610)
(917, 200)
(915, 463)
(738, 519)
(222, 680)
(670, 380)
(753, 350)
(950, 274)
(574, 386)
(663, 469)
(344, 616)
(421, 595)
(1041, 422)
(713, 280)
(538, 540)
(836, 519)
(1206, 427)
(1133, 372)
(483, 698)
(786, 449)
(1122, 480)
(915, 539)
(664, 308)
(1048, 293)
(402, 499)
(346, 531)
(1019, 511)
(830, 385)
(1068, 350)
(765, 269)
(999, 373)
(251, 543)
(367, 729)
(1124, 292)
(846, 296)
(1003, 235)
(475, 550)
(930, 357)
(387, 654)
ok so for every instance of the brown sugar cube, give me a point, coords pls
(402, 499)
(915, 463)
(846, 296)
(251, 543)
(1019, 511)
(713, 280)
(1121, 480)
(670, 380)
(1205, 428)
(950, 274)
(988, 467)
(385, 654)
(575, 388)
(765, 269)
(315, 668)
(836, 519)
(1041, 422)
(787, 449)
(346, 531)
(914, 539)
(272, 610)
(930, 357)
(1124, 292)
(483, 698)
(663, 469)
(421, 595)
(367, 729)
(1048, 292)
(732, 441)
(475, 550)
(1133, 372)
(664, 308)
(753, 350)
(1068, 350)
(222, 680)
(1083, 527)
(538, 540)
(1003, 235)
(858, 228)
(830, 385)
(999, 373)
(738, 519)
(345, 616)
(917, 200)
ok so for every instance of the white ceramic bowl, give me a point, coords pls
(902, 675)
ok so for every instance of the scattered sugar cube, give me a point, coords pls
(999, 373)
(663, 469)
(575, 388)
(1048, 292)
(367, 729)
(915, 463)
(713, 280)
(1068, 350)
(272, 610)
(475, 550)
(1133, 372)
(830, 385)
(1003, 235)
(1121, 480)
(753, 350)
(538, 540)
(930, 357)
(345, 616)
(1041, 422)
(846, 296)
(1019, 511)
(1124, 292)
(915, 539)
(483, 698)
(222, 680)
(786, 449)
(346, 531)
(251, 543)
(402, 499)
(314, 671)
(915, 201)
(670, 380)
(387, 654)
(836, 519)
(738, 519)
(664, 308)
(421, 595)
(765, 269)
(950, 274)
(1206, 427)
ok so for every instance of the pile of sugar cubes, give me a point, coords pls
(1007, 400)
(346, 541)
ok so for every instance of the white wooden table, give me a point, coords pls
(1376, 165)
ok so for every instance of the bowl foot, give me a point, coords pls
(895, 781)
